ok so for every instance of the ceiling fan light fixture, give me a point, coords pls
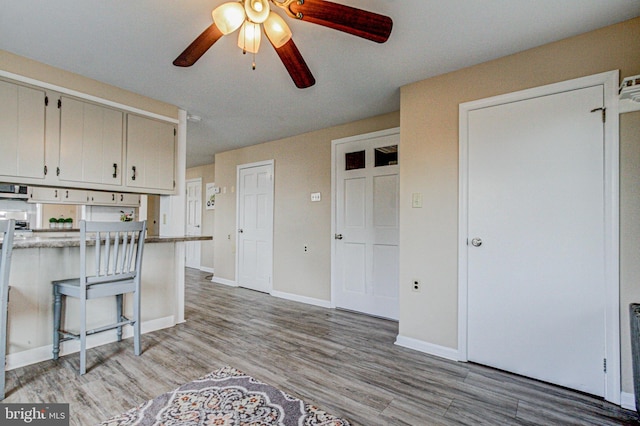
(257, 10)
(249, 37)
(228, 17)
(277, 30)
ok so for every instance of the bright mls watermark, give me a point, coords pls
(34, 414)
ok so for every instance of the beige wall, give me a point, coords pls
(207, 174)
(429, 165)
(28, 68)
(302, 166)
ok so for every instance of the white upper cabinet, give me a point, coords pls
(22, 131)
(90, 143)
(56, 139)
(150, 156)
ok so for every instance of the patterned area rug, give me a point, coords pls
(225, 397)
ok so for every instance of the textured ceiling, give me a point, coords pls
(132, 43)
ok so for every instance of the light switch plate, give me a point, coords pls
(416, 200)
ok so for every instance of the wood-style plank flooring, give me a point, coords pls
(345, 363)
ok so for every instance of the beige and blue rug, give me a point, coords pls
(225, 397)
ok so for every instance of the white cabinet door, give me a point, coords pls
(100, 198)
(150, 154)
(57, 195)
(104, 198)
(74, 196)
(22, 130)
(90, 143)
(132, 200)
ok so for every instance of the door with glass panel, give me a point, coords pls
(366, 258)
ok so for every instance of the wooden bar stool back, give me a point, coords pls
(7, 228)
(116, 248)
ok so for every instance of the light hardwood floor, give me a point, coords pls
(344, 362)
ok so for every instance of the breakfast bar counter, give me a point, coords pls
(41, 257)
(38, 240)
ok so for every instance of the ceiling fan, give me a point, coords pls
(248, 15)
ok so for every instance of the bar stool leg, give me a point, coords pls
(57, 314)
(119, 314)
(137, 347)
(3, 340)
(83, 334)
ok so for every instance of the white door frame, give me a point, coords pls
(334, 144)
(270, 163)
(611, 180)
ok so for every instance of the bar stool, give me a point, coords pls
(7, 228)
(116, 248)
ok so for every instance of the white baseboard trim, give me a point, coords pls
(223, 281)
(428, 348)
(44, 353)
(302, 299)
(628, 401)
(206, 269)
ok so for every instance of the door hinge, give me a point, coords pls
(59, 103)
(46, 101)
(604, 365)
(604, 113)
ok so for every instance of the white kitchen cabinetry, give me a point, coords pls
(22, 131)
(90, 143)
(150, 155)
(57, 195)
(58, 139)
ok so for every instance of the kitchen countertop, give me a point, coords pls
(33, 241)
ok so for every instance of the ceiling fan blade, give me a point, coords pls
(295, 64)
(197, 48)
(358, 22)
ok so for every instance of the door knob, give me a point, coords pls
(338, 236)
(476, 242)
(240, 231)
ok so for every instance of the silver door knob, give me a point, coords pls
(338, 236)
(476, 242)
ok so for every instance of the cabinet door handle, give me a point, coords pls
(113, 197)
(67, 195)
(121, 197)
(115, 170)
(55, 193)
(133, 175)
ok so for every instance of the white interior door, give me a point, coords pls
(536, 229)
(255, 226)
(194, 222)
(366, 255)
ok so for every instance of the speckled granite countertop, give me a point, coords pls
(34, 241)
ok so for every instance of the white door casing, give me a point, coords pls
(254, 257)
(365, 252)
(194, 222)
(551, 215)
